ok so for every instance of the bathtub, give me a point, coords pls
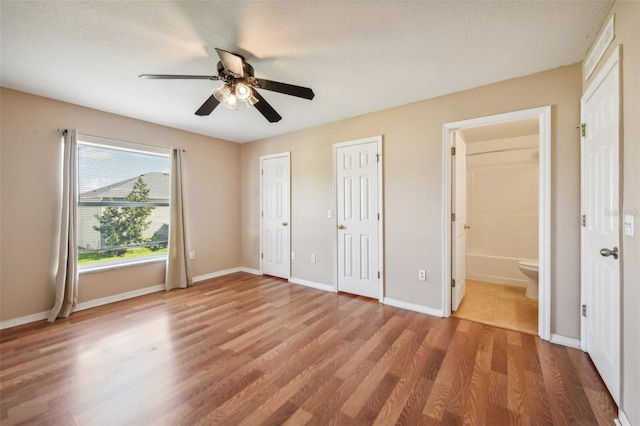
(495, 269)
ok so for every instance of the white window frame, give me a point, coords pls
(88, 140)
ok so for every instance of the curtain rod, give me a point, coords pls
(504, 150)
(64, 132)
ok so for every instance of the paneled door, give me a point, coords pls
(274, 215)
(459, 225)
(357, 218)
(601, 225)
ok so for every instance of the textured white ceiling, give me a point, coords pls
(358, 56)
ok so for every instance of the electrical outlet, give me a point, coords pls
(293, 255)
(313, 258)
(330, 214)
(192, 255)
(422, 275)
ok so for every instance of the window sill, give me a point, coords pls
(89, 269)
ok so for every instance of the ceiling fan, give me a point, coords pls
(239, 86)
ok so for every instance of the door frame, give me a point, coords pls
(262, 159)
(613, 63)
(543, 114)
(334, 222)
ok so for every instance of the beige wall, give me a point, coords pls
(30, 176)
(412, 156)
(627, 35)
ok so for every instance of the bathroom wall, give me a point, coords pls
(502, 208)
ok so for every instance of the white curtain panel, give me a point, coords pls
(177, 272)
(67, 275)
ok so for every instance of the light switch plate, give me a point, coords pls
(629, 225)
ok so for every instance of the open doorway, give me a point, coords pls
(497, 219)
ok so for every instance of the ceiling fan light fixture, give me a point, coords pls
(225, 97)
(221, 93)
(251, 101)
(244, 93)
(239, 86)
(231, 101)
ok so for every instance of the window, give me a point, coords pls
(123, 202)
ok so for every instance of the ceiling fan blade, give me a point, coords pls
(265, 109)
(287, 89)
(178, 77)
(208, 106)
(231, 62)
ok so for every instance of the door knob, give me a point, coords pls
(284, 223)
(606, 252)
(341, 227)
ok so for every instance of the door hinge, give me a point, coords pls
(453, 217)
(584, 310)
(453, 283)
(262, 213)
(584, 220)
(262, 172)
(261, 255)
(378, 274)
(378, 216)
(453, 150)
(583, 129)
(377, 158)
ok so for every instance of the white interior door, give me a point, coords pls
(601, 233)
(459, 225)
(357, 216)
(274, 233)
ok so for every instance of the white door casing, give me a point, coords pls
(275, 215)
(543, 115)
(459, 225)
(601, 227)
(358, 217)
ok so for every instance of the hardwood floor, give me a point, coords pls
(251, 350)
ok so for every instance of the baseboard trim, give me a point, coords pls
(24, 320)
(216, 274)
(413, 307)
(119, 297)
(571, 342)
(311, 284)
(622, 419)
(250, 270)
(84, 305)
(224, 272)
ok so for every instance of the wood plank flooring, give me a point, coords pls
(250, 350)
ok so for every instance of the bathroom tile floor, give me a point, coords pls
(500, 305)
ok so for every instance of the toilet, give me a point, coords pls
(530, 269)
